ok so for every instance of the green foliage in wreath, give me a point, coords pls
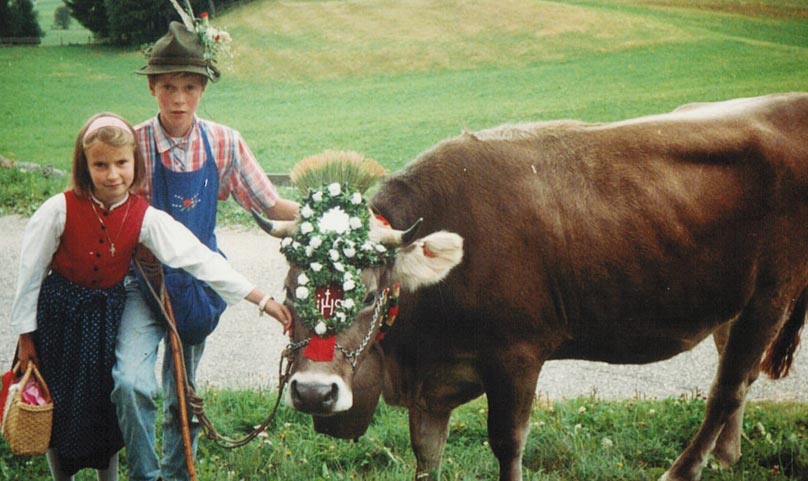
(331, 246)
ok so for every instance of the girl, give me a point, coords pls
(70, 297)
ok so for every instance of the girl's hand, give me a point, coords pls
(26, 351)
(281, 313)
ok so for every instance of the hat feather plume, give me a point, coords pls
(344, 167)
(186, 16)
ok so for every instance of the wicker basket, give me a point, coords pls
(27, 428)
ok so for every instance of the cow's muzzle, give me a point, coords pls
(321, 395)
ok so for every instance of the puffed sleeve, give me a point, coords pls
(174, 245)
(39, 243)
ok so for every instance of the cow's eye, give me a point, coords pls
(370, 298)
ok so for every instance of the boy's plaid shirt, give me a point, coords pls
(239, 171)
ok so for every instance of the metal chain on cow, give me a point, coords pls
(353, 356)
(196, 403)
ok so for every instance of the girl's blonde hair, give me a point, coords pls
(113, 135)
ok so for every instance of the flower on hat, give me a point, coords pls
(215, 40)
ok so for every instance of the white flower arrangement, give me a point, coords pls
(336, 222)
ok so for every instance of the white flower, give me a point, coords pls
(334, 220)
(295, 245)
(306, 227)
(349, 252)
(356, 198)
(348, 285)
(380, 248)
(340, 316)
(306, 211)
(316, 266)
(334, 189)
(367, 246)
(320, 328)
(286, 241)
(348, 303)
(317, 196)
(309, 250)
(301, 292)
(338, 266)
(302, 279)
(316, 241)
(355, 222)
(606, 443)
(347, 275)
(333, 254)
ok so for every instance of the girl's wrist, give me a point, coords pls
(263, 303)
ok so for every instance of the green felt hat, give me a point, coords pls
(180, 50)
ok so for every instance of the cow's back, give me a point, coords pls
(589, 230)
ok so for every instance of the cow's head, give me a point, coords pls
(345, 267)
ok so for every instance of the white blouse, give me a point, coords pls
(171, 242)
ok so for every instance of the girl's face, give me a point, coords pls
(112, 170)
(178, 97)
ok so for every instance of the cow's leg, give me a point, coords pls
(428, 433)
(511, 387)
(727, 449)
(738, 368)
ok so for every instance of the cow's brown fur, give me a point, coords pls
(625, 242)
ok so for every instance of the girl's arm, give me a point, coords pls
(173, 244)
(39, 243)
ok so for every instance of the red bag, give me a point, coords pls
(8, 380)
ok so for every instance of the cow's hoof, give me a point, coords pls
(727, 456)
(668, 476)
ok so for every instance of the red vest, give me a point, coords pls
(84, 255)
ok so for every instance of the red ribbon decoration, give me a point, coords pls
(321, 349)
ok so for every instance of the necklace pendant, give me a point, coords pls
(112, 250)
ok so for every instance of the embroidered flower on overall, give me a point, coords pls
(185, 204)
(332, 245)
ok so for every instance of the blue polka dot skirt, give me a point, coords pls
(75, 341)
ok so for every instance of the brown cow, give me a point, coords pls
(625, 242)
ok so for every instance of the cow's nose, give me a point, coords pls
(314, 398)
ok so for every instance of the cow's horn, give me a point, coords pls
(396, 238)
(278, 228)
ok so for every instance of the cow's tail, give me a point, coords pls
(778, 359)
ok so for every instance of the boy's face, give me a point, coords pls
(178, 96)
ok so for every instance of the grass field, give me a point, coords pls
(391, 78)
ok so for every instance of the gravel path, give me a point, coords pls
(243, 352)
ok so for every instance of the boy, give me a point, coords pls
(190, 164)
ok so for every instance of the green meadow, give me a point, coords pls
(390, 78)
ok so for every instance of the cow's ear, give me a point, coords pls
(428, 260)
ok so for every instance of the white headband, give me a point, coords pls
(105, 121)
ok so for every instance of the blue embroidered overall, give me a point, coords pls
(191, 198)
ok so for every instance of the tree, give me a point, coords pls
(92, 14)
(23, 18)
(6, 24)
(61, 17)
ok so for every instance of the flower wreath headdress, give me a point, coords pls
(215, 40)
(332, 243)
